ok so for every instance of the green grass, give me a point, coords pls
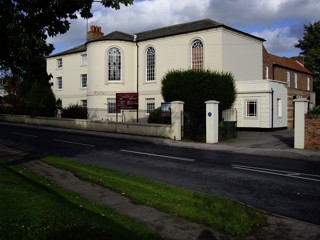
(32, 208)
(224, 215)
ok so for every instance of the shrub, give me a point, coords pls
(314, 111)
(195, 87)
(41, 101)
(75, 111)
(155, 117)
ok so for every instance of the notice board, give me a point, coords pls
(126, 101)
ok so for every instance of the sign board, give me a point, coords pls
(126, 101)
(166, 109)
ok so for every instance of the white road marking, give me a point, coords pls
(311, 177)
(26, 135)
(76, 143)
(158, 155)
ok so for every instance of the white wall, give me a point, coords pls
(71, 78)
(241, 55)
(264, 92)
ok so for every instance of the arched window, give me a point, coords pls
(150, 64)
(197, 55)
(114, 64)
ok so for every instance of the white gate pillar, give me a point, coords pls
(212, 121)
(177, 119)
(300, 108)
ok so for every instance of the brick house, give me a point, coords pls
(298, 78)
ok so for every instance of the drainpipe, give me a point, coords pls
(272, 92)
(135, 40)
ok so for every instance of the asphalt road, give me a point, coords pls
(288, 187)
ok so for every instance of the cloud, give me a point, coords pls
(279, 41)
(280, 22)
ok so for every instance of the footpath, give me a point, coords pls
(276, 227)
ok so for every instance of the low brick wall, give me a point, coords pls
(312, 132)
(154, 130)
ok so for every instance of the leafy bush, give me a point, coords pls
(195, 87)
(75, 111)
(155, 117)
(314, 111)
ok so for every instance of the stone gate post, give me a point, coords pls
(177, 119)
(300, 108)
(212, 121)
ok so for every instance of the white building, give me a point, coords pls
(92, 74)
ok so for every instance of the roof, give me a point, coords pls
(81, 48)
(178, 29)
(195, 26)
(288, 63)
(116, 35)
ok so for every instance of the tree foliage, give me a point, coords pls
(195, 87)
(25, 26)
(310, 49)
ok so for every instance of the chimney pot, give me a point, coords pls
(94, 33)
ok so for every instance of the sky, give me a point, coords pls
(280, 22)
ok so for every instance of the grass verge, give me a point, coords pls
(32, 208)
(224, 215)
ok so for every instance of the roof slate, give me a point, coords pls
(81, 48)
(178, 29)
(116, 35)
(288, 63)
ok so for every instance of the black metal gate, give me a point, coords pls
(194, 128)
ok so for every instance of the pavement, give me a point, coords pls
(276, 143)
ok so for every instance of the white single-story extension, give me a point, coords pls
(92, 74)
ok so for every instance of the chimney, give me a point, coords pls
(94, 33)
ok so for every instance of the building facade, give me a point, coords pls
(297, 78)
(92, 74)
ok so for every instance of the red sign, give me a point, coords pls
(126, 101)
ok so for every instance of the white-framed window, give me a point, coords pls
(114, 65)
(59, 63)
(84, 80)
(151, 60)
(251, 108)
(84, 59)
(295, 80)
(59, 83)
(308, 84)
(279, 107)
(84, 103)
(288, 78)
(150, 103)
(111, 104)
(197, 55)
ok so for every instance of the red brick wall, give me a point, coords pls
(312, 132)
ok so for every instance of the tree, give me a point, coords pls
(25, 27)
(310, 49)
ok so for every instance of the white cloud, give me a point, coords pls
(278, 41)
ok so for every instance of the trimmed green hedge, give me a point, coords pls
(195, 87)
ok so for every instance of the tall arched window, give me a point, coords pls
(114, 64)
(150, 64)
(197, 55)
